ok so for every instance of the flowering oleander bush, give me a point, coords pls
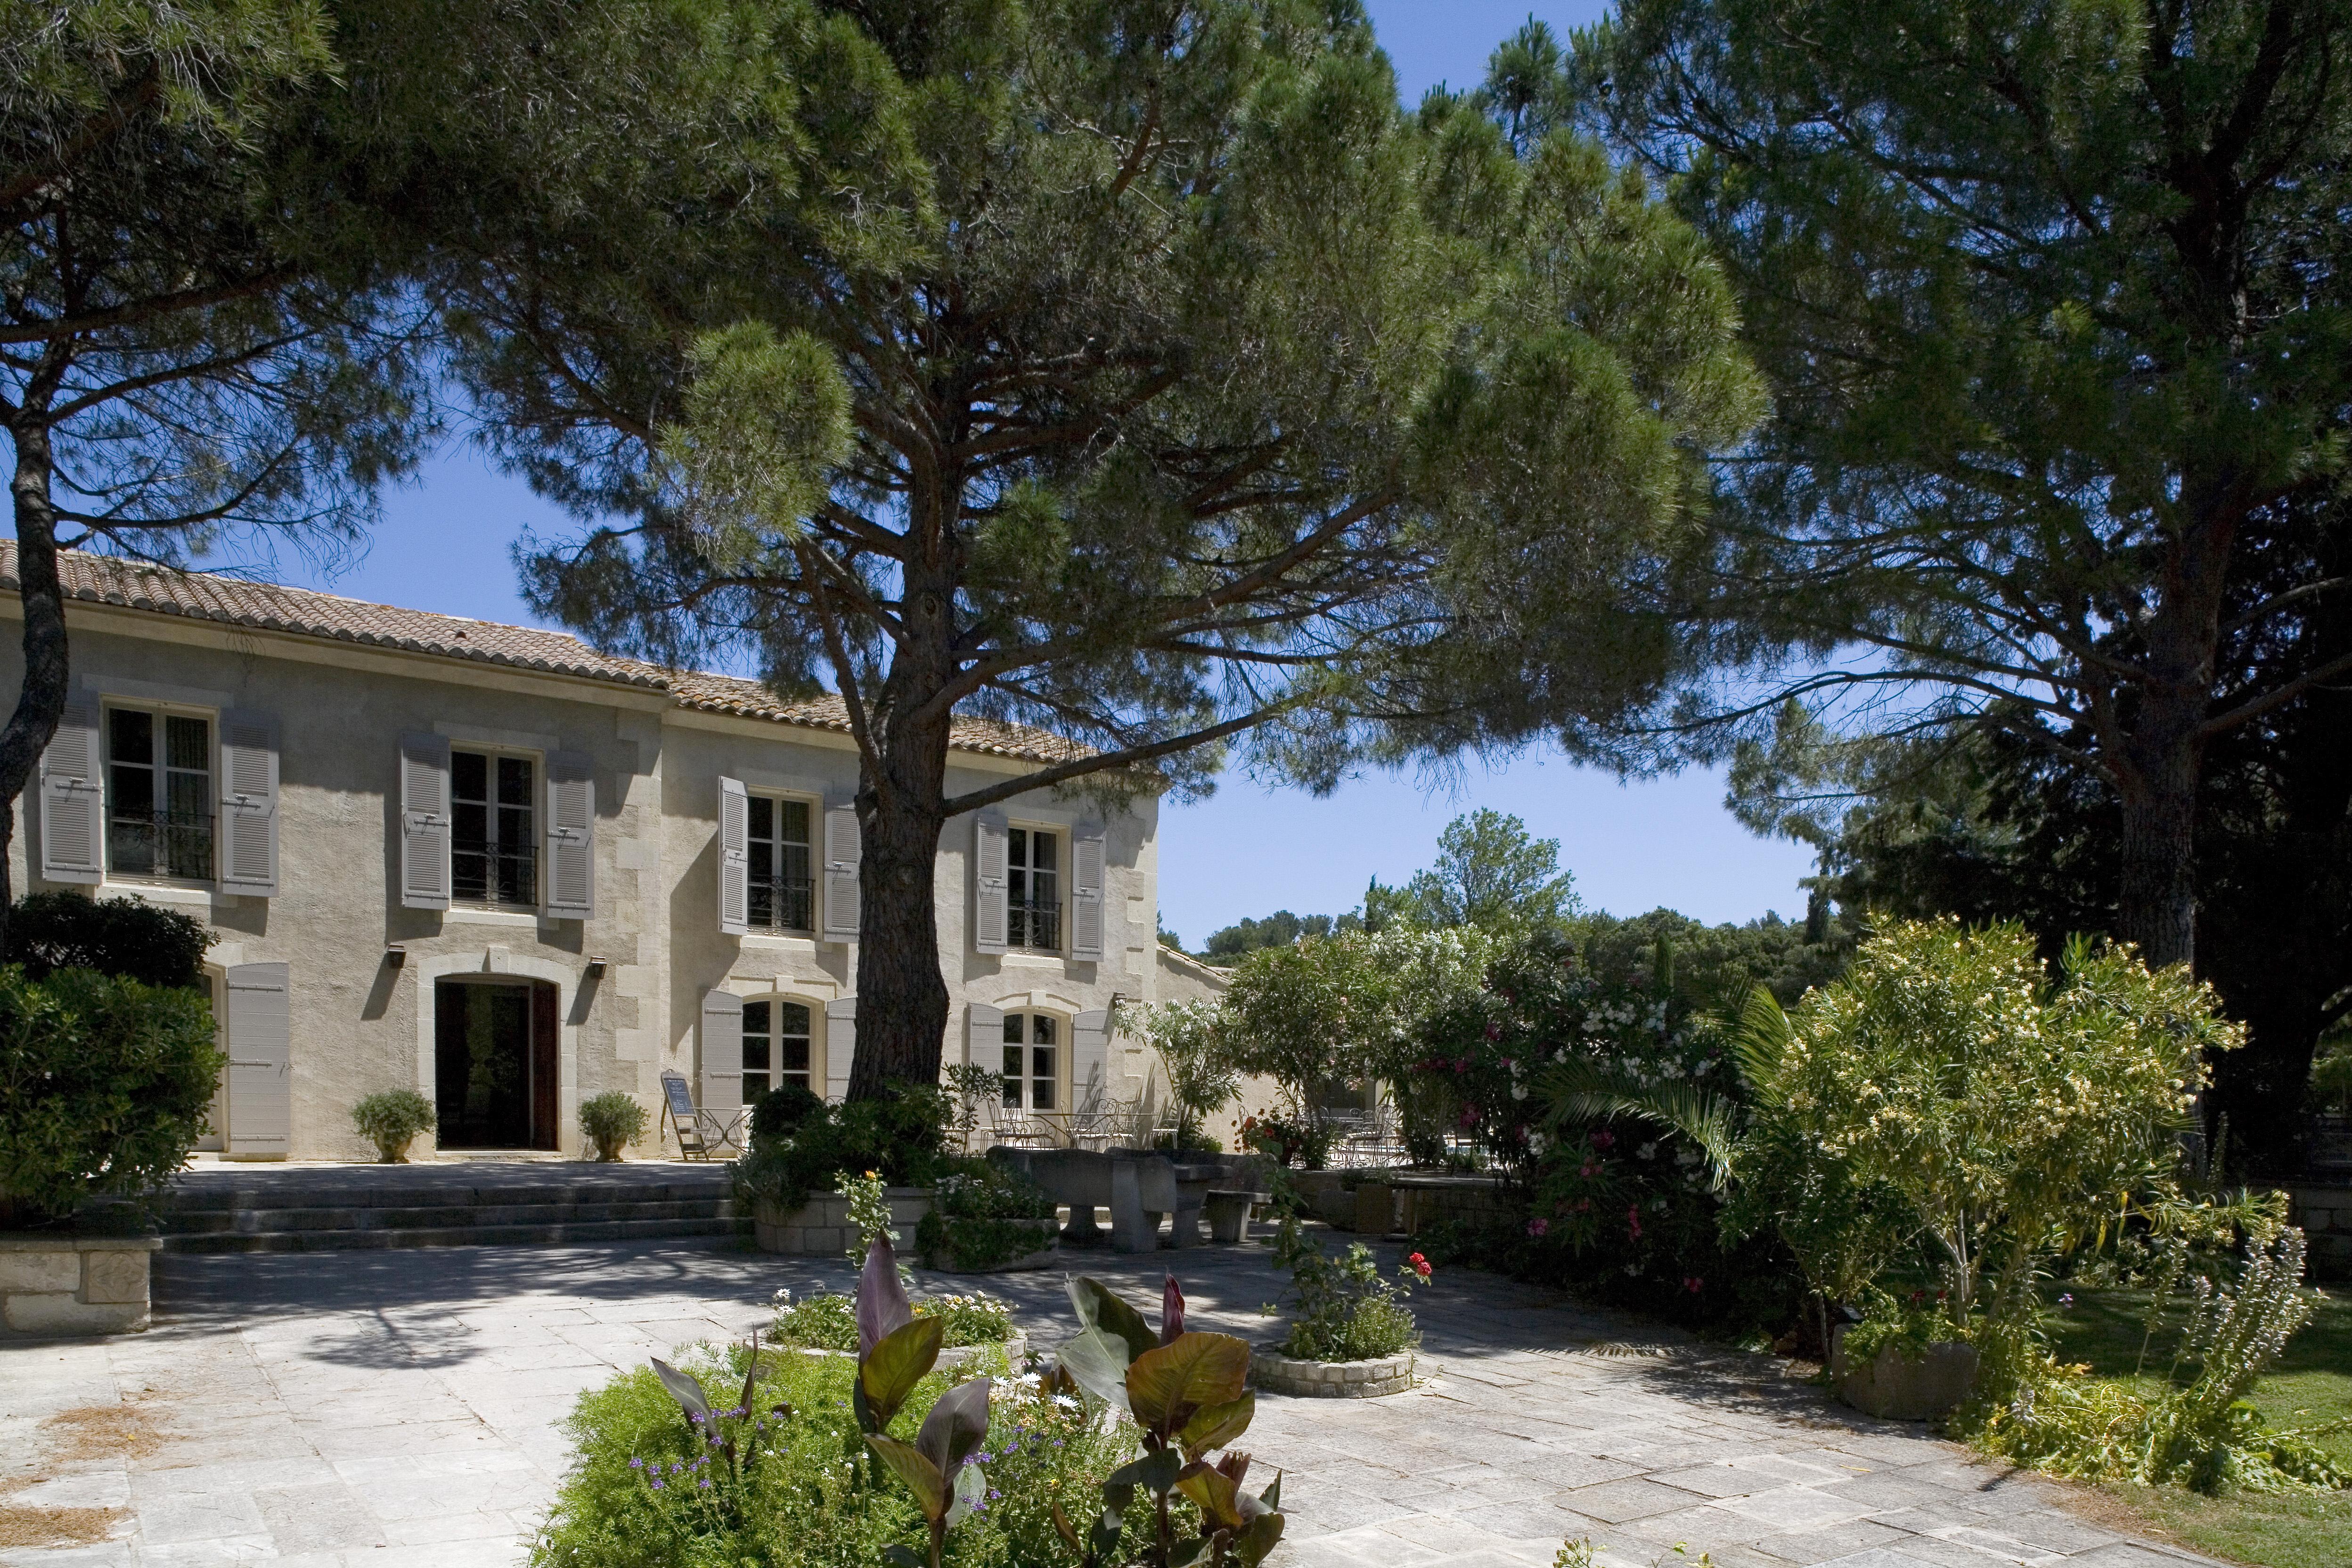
(1623, 1208)
(797, 1489)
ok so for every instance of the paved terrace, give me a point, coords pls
(400, 1410)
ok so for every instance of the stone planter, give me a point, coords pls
(1278, 1373)
(821, 1226)
(1894, 1386)
(1049, 1242)
(64, 1284)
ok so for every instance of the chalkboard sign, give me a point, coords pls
(681, 1101)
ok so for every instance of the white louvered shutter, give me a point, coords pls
(570, 836)
(722, 1053)
(840, 1045)
(1086, 893)
(73, 800)
(734, 857)
(840, 871)
(248, 854)
(985, 1036)
(988, 921)
(425, 822)
(1089, 1056)
(260, 1058)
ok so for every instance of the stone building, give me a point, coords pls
(493, 865)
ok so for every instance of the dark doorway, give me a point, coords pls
(494, 1048)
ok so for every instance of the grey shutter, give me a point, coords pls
(722, 1053)
(260, 1059)
(988, 923)
(985, 1036)
(840, 871)
(840, 1045)
(734, 857)
(1086, 893)
(424, 821)
(570, 836)
(248, 796)
(1090, 1057)
(73, 801)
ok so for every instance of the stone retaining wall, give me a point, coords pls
(58, 1285)
(2325, 1216)
(821, 1226)
(1278, 1373)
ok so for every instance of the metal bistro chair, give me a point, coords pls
(1011, 1125)
(701, 1134)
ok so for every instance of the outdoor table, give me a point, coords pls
(1193, 1181)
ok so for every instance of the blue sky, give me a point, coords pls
(1246, 850)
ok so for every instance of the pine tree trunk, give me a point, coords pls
(2156, 903)
(42, 697)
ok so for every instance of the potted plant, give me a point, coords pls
(391, 1119)
(1353, 1337)
(986, 1218)
(611, 1121)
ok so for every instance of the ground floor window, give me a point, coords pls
(776, 1047)
(1033, 1061)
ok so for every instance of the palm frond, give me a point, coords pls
(1581, 1093)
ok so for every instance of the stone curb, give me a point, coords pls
(1278, 1373)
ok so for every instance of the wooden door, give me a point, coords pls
(546, 1065)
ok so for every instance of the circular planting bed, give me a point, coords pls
(1278, 1373)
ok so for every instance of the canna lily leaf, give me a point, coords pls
(889, 1374)
(1214, 1491)
(1215, 1425)
(956, 1426)
(970, 1486)
(930, 1489)
(1257, 1538)
(683, 1388)
(1171, 1310)
(882, 1305)
(1098, 1307)
(1097, 1362)
(1155, 1472)
(902, 1557)
(1167, 1385)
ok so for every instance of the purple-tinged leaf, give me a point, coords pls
(882, 1305)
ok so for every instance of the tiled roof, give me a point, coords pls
(205, 596)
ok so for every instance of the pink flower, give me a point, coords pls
(1494, 1030)
(1537, 1225)
(1604, 1140)
(1694, 1285)
(1634, 1222)
(1469, 1116)
(1587, 1169)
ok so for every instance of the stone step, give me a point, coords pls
(279, 1198)
(272, 1221)
(544, 1235)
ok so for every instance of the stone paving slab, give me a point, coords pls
(402, 1410)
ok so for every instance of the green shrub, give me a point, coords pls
(105, 1085)
(611, 1121)
(902, 1139)
(1346, 1312)
(783, 1111)
(126, 937)
(808, 1495)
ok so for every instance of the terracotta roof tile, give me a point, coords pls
(201, 595)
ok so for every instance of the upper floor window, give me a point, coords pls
(1032, 1060)
(1032, 889)
(775, 1047)
(783, 897)
(158, 794)
(493, 829)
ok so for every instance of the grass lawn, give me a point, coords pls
(2312, 1384)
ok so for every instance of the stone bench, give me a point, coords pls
(1228, 1212)
(1137, 1187)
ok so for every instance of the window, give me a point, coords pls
(1033, 891)
(494, 838)
(158, 794)
(1032, 1060)
(783, 897)
(775, 1047)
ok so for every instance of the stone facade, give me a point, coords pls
(54, 1285)
(346, 694)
